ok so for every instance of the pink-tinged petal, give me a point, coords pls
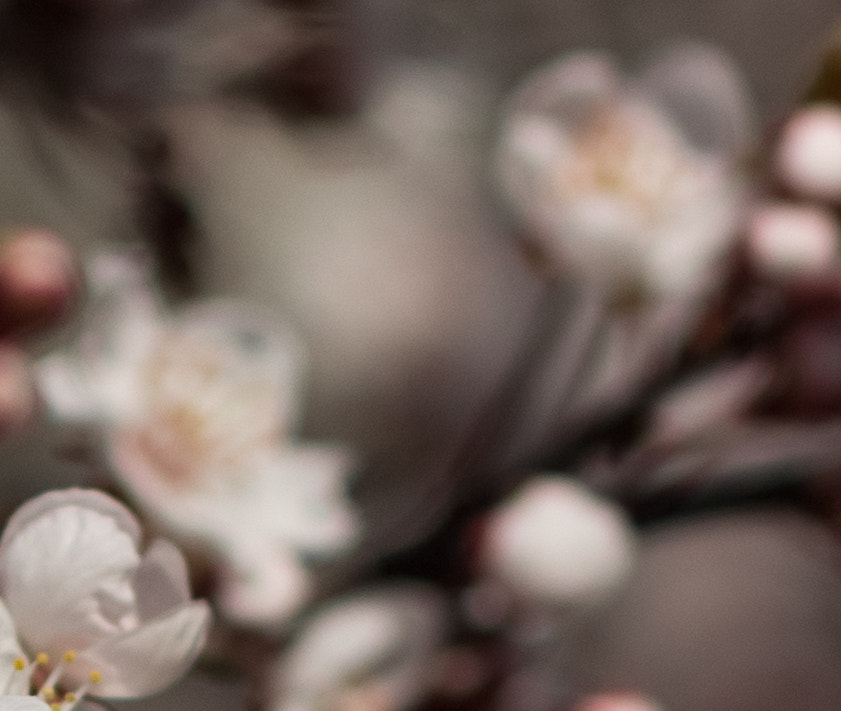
(67, 560)
(702, 89)
(710, 400)
(22, 703)
(260, 585)
(12, 681)
(148, 658)
(161, 583)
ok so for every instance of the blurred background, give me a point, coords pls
(333, 161)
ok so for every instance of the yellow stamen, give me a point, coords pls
(19, 664)
(42, 659)
(48, 693)
(70, 697)
(95, 676)
(69, 655)
(55, 707)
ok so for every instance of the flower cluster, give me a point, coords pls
(197, 411)
(659, 334)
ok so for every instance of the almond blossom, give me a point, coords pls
(83, 611)
(375, 649)
(198, 410)
(630, 182)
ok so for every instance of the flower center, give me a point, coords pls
(204, 415)
(45, 680)
(632, 155)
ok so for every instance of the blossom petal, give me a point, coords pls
(161, 582)
(702, 89)
(83, 498)
(96, 377)
(12, 681)
(22, 703)
(382, 639)
(306, 505)
(569, 87)
(148, 658)
(66, 564)
(260, 584)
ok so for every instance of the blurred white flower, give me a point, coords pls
(808, 153)
(375, 651)
(792, 240)
(618, 701)
(22, 703)
(555, 541)
(631, 182)
(373, 236)
(199, 409)
(92, 615)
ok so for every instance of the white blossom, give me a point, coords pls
(199, 410)
(374, 650)
(85, 612)
(631, 182)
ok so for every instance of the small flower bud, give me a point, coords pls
(789, 240)
(623, 701)
(808, 158)
(37, 279)
(555, 541)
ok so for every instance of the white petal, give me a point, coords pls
(702, 89)
(260, 585)
(290, 497)
(686, 252)
(149, 658)
(22, 703)
(12, 681)
(384, 638)
(83, 498)
(66, 564)
(568, 88)
(96, 378)
(65, 389)
(161, 582)
(304, 503)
